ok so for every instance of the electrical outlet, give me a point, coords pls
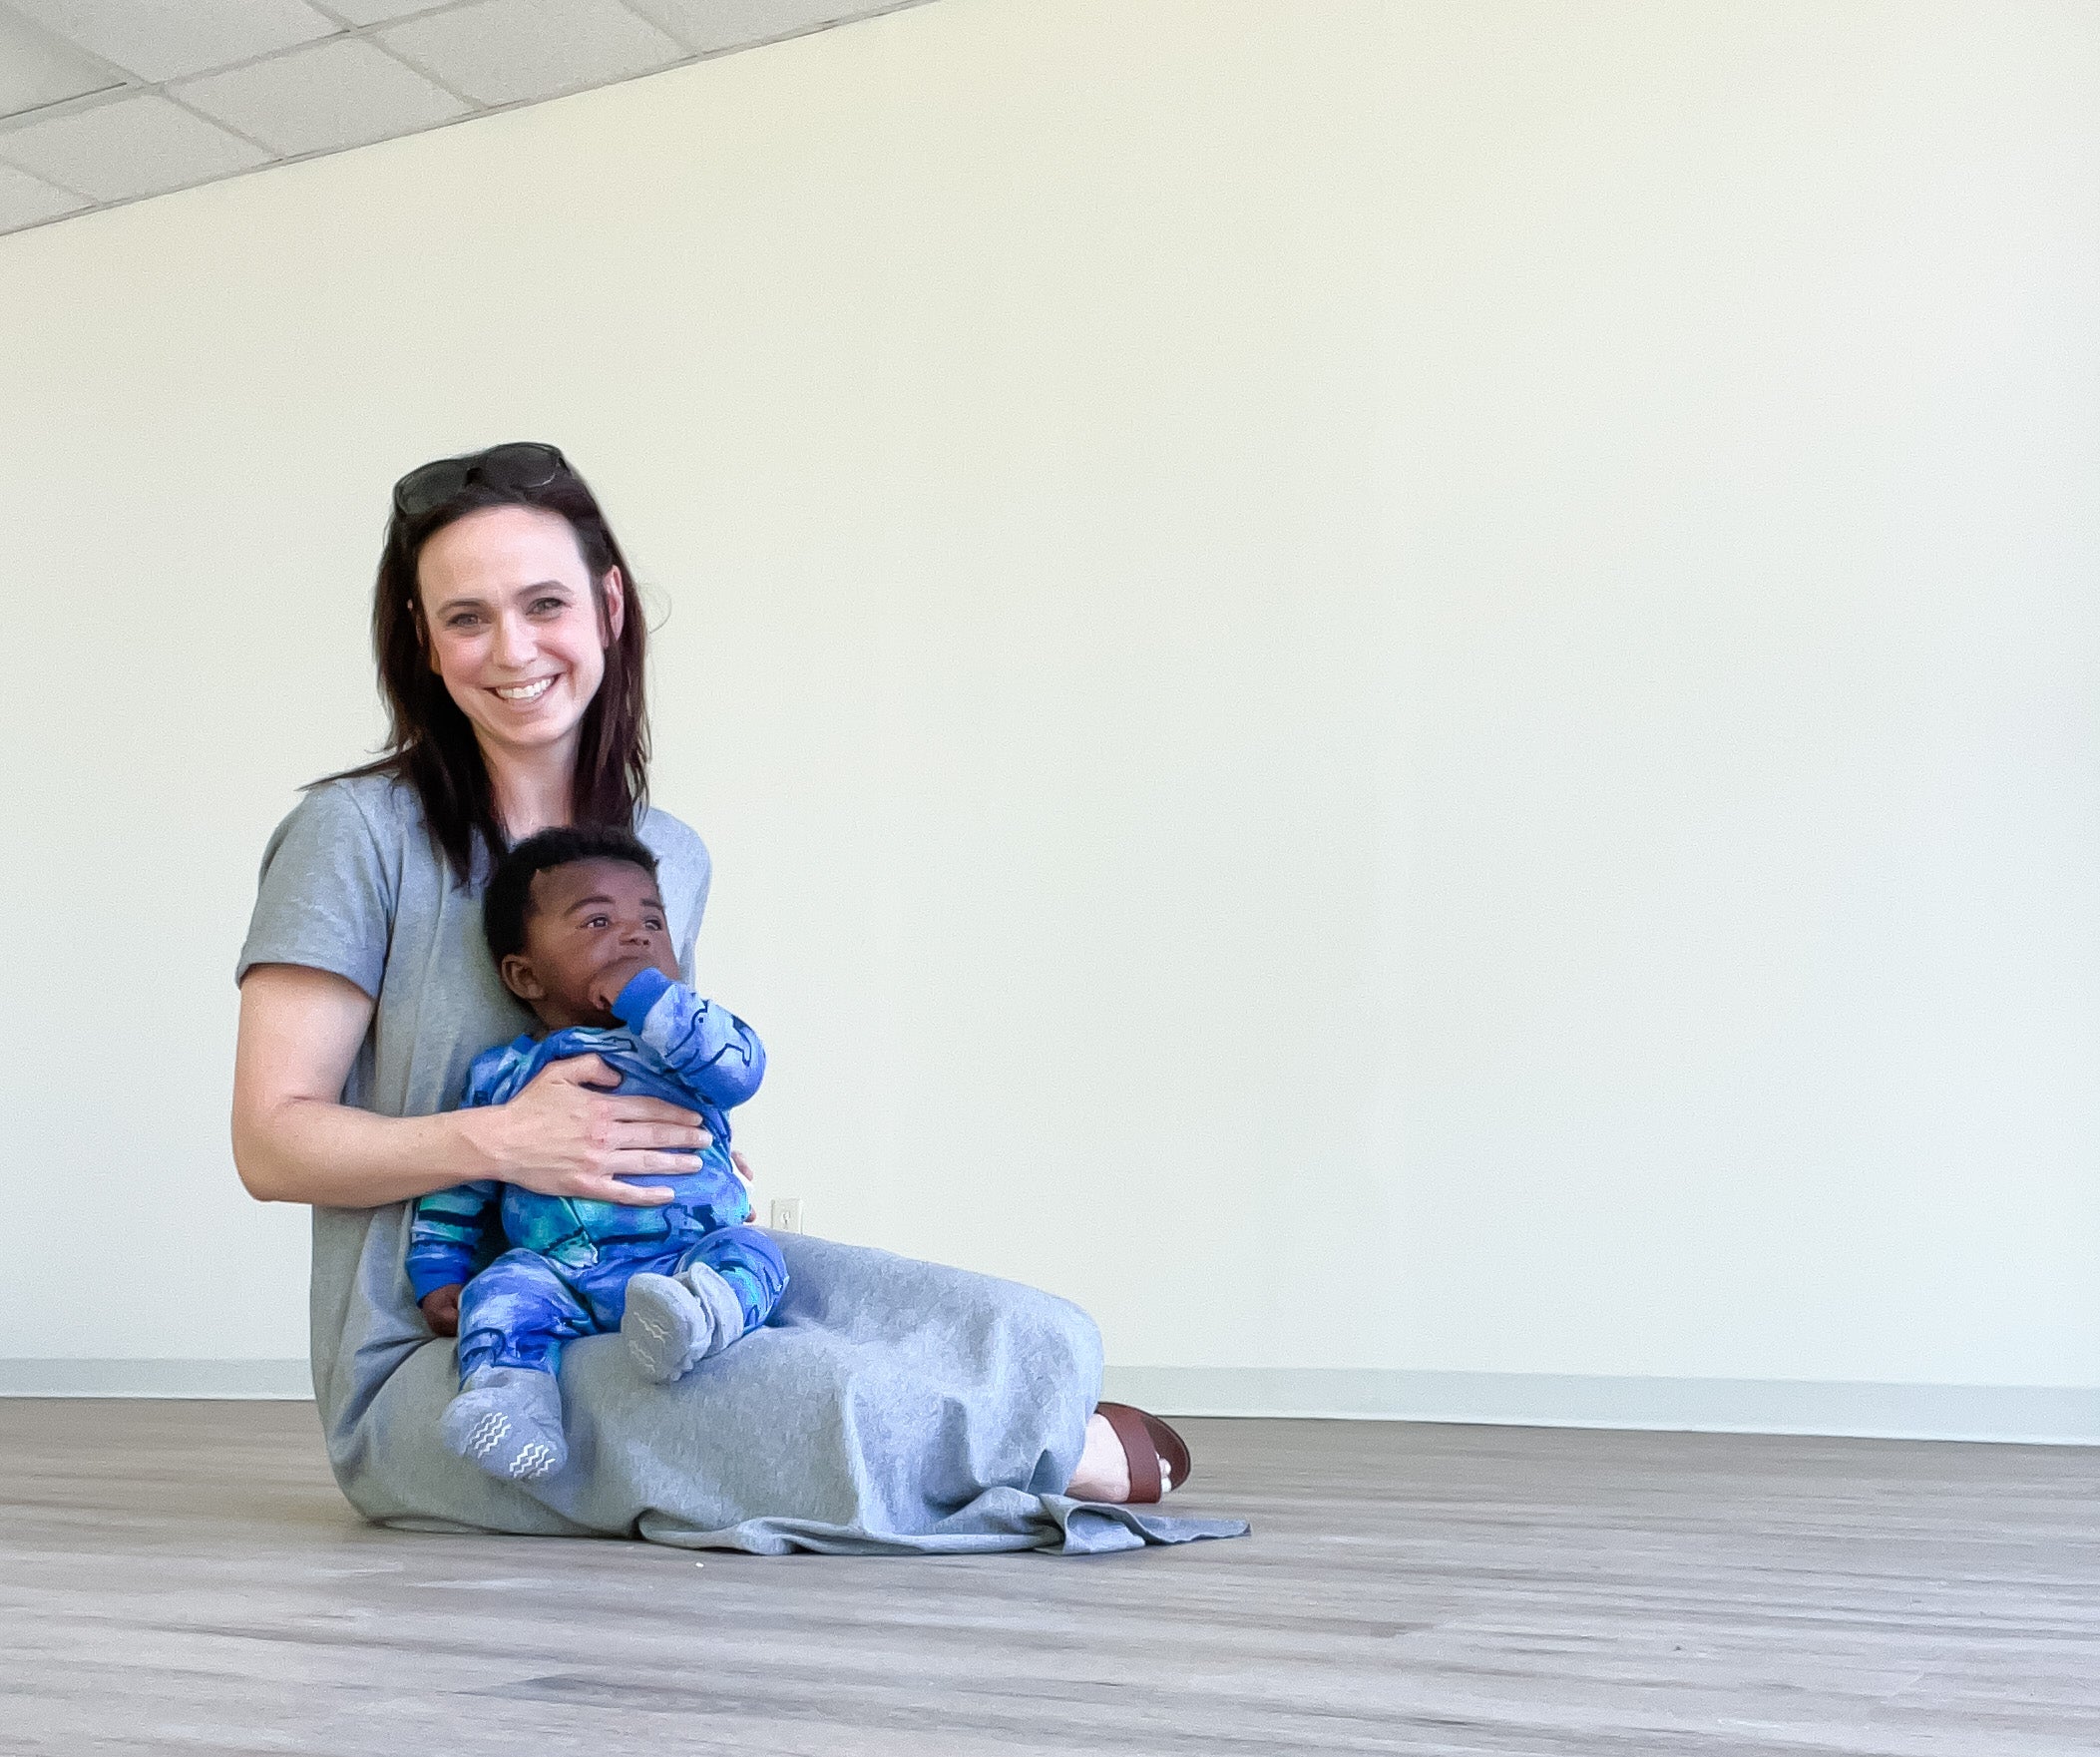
(787, 1213)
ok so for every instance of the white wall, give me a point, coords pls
(1398, 687)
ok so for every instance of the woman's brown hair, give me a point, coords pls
(430, 743)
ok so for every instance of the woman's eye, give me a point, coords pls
(461, 621)
(544, 605)
(653, 925)
(598, 921)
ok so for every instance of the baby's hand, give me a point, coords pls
(441, 1309)
(607, 984)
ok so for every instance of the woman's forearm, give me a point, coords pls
(302, 1150)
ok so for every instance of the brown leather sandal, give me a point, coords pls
(1145, 1440)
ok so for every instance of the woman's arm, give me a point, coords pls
(294, 1140)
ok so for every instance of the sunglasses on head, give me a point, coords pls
(522, 464)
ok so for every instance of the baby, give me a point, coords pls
(577, 934)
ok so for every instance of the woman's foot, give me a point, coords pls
(1105, 1467)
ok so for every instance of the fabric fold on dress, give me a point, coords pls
(1053, 1522)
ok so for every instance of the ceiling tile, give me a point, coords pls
(708, 26)
(139, 146)
(513, 51)
(165, 39)
(379, 11)
(25, 200)
(37, 69)
(322, 99)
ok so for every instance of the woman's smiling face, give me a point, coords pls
(513, 625)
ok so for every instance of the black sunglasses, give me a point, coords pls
(522, 464)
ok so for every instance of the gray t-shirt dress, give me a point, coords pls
(893, 1407)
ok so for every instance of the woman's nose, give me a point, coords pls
(513, 642)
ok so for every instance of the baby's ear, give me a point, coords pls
(520, 978)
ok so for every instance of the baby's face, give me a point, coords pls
(593, 924)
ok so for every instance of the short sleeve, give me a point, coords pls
(327, 892)
(687, 873)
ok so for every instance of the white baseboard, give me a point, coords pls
(2040, 1415)
(2036, 1415)
(156, 1378)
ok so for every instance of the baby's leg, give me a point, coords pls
(727, 1283)
(512, 1319)
(750, 1262)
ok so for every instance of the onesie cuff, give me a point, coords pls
(644, 989)
(427, 1278)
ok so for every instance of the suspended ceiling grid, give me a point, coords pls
(104, 101)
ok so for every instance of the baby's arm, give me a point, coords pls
(445, 1243)
(450, 1227)
(715, 1052)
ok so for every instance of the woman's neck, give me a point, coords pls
(532, 790)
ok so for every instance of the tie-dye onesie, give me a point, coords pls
(566, 1272)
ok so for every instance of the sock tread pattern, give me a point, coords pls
(488, 1434)
(534, 1461)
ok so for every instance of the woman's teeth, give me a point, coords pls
(528, 692)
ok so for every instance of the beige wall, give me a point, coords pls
(1386, 686)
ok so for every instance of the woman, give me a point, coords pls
(895, 1406)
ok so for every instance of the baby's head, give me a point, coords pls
(572, 916)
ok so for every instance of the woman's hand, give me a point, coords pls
(562, 1137)
(441, 1309)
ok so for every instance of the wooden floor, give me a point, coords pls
(182, 1577)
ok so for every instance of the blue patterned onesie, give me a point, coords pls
(566, 1272)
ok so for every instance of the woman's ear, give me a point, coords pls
(614, 592)
(520, 978)
(415, 615)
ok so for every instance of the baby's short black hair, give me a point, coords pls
(506, 903)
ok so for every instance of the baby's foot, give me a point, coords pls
(672, 1324)
(508, 1421)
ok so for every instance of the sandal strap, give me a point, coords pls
(1135, 1435)
(1170, 1445)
